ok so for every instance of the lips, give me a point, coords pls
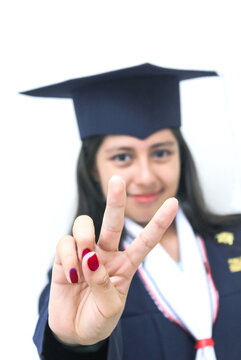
(144, 198)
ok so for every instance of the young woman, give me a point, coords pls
(130, 282)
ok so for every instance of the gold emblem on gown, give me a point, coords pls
(225, 238)
(234, 264)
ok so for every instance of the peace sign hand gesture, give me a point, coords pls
(90, 281)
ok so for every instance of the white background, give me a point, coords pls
(44, 42)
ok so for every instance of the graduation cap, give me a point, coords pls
(134, 101)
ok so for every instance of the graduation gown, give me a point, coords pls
(143, 332)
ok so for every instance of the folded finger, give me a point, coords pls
(84, 235)
(66, 261)
(106, 297)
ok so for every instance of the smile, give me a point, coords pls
(144, 198)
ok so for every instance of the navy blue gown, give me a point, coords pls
(143, 332)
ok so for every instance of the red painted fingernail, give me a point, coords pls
(86, 251)
(73, 276)
(93, 262)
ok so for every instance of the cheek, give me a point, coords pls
(105, 173)
(171, 174)
(176, 175)
(104, 185)
(104, 177)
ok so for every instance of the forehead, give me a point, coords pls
(161, 136)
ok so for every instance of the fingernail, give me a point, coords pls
(73, 276)
(86, 251)
(93, 262)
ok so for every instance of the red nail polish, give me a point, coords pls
(93, 262)
(86, 251)
(73, 276)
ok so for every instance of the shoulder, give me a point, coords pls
(224, 256)
(229, 235)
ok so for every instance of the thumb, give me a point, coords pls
(108, 300)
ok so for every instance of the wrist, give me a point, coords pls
(76, 346)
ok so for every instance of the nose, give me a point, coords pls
(144, 173)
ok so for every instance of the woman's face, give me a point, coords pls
(150, 168)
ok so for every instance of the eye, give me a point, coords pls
(121, 158)
(161, 153)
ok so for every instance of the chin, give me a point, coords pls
(142, 220)
(143, 213)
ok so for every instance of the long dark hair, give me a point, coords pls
(91, 200)
(190, 196)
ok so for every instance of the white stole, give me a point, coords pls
(185, 295)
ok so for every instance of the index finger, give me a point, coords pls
(113, 220)
(152, 233)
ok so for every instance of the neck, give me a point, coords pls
(170, 243)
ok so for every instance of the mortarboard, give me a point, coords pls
(134, 101)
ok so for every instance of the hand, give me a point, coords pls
(87, 311)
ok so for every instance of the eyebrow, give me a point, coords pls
(166, 143)
(127, 148)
